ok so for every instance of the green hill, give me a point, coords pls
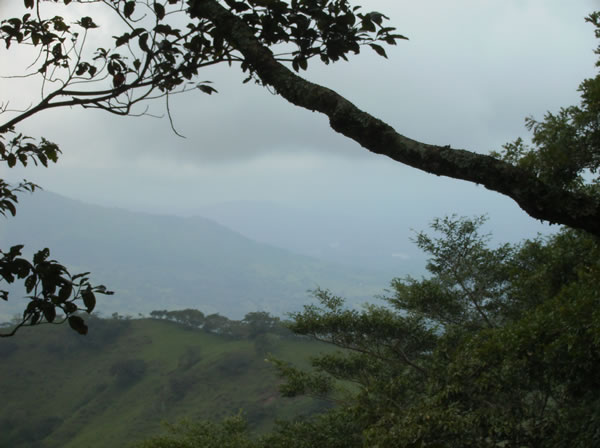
(117, 384)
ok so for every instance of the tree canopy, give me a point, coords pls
(497, 348)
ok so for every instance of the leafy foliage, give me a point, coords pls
(52, 291)
(162, 47)
(230, 433)
(440, 366)
(564, 149)
(20, 149)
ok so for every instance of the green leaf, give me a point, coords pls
(165, 29)
(15, 250)
(367, 24)
(378, 49)
(65, 292)
(21, 267)
(128, 8)
(136, 32)
(81, 69)
(377, 17)
(30, 283)
(207, 89)
(35, 318)
(69, 307)
(89, 300)
(143, 42)
(399, 36)
(29, 4)
(49, 312)
(10, 206)
(347, 19)
(41, 256)
(121, 40)
(77, 324)
(159, 10)
(87, 23)
(59, 24)
(43, 159)
(11, 159)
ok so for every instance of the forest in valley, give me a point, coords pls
(496, 344)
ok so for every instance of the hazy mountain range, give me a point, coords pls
(167, 262)
(373, 240)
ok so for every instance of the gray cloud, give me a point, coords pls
(468, 76)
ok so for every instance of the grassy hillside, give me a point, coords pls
(118, 383)
(167, 262)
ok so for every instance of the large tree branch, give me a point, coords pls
(538, 199)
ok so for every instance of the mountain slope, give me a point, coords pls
(117, 384)
(373, 239)
(166, 262)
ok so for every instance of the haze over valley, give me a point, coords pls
(169, 262)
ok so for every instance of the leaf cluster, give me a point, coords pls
(161, 47)
(230, 433)
(324, 28)
(565, 146)
(52, 291)
(22, 149)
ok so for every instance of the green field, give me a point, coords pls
(117, 384)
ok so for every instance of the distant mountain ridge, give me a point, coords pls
(167, 262)
(376, 240)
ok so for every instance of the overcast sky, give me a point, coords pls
(469, 75)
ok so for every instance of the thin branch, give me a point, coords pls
(355, 348)
(171, 118)
(23, 323)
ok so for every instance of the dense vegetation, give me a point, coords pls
(499, 347)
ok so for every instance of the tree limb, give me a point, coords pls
(538, 199)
